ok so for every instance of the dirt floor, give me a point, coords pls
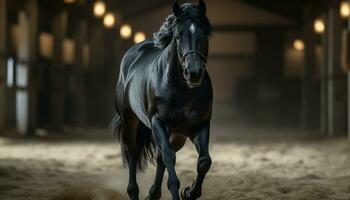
(247, 164)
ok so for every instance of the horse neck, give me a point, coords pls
(171, 67)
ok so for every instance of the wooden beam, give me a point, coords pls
(323, 84)
(348, 63)
(335, 108)
(253, 28)
(57, 72)
(78, 87)
(237, 56)
(3, 37)
(146, 9)
(26, 73)
(308, 111)
(287, 8)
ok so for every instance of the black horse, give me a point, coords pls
(164, 96)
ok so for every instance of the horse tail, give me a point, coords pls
(145, 149)
(148, 149)
(117, 129)
(116, 125)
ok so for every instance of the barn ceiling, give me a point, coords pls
(292, 9)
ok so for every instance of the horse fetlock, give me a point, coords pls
(194, 194)
(133, 190)
(188, 194)
(155, 193)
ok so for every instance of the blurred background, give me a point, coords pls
(272, 63)
(277, 67)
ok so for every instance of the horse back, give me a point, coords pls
(136, 57)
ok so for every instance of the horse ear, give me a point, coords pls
(202, 6)
(176, 8)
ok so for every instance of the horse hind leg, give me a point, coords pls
(131, 151)
(147, 143)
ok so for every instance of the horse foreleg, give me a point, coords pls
(201, 141)
(162, 136)
(177, 142)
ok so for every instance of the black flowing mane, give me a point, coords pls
(190, 14)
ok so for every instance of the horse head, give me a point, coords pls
(191, 33)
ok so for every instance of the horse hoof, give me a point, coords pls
(183, 193)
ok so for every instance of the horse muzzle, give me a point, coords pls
(193, 77)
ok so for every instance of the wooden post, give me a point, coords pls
(3, 35)
(309, 89)
(348, 65)
(57, 72)
(334, 82)
(323, 84)
(26, 78)
(78, 91)
(97, 52)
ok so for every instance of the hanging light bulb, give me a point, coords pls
(99, 9)
(109, 20)
(345, 9)
(298, 45)
(139, 37)
(125, 31)
(69, 1)
(319, 26)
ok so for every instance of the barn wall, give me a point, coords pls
(3, 14)
(232, 56)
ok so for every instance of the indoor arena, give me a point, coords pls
(280, 123)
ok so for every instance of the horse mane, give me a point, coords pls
(163, 37)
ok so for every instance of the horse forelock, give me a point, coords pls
(163, 37)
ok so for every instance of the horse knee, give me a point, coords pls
(204, 163)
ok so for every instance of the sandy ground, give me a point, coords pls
(247, 164)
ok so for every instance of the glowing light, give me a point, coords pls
(319, 26)
(139, 37)
(125, 31)
(10, 72)
(345, 9)
(69, 1)
(109, 20)
(99, 9)
(298, 45)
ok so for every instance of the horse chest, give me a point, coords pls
(181, 116)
